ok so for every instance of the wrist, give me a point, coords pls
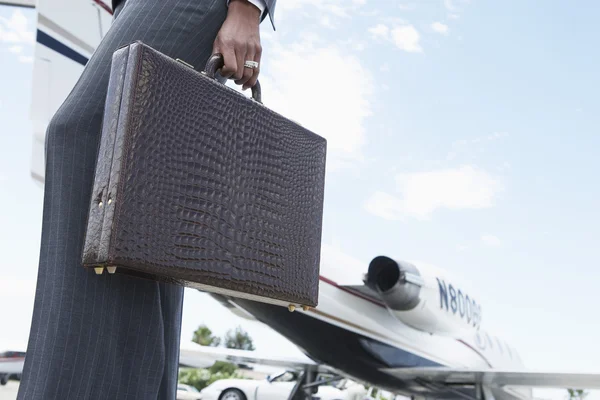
(244, 8)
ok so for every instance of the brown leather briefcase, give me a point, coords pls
(199, 185)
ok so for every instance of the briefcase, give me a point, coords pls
(200, 186)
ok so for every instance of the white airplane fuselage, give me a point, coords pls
(358, 335)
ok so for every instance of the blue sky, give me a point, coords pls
(461, 134)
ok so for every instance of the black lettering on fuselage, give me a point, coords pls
(453, 299)
(443, 294)
(468, 308)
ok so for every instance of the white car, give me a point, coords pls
(275, 387)
(187, 392)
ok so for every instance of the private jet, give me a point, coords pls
(409, 329)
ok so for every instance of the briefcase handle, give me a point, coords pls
(216, 62)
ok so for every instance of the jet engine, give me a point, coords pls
(423, 297)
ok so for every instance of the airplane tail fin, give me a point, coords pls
(67, 34)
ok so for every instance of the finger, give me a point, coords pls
(240, 55)
(247, 72)
(230, 66)
(255, 72)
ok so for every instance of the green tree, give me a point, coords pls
(204, 337)
(197, 378)
(201, 378)
(223, 367)
(577, 394)
(238, 339)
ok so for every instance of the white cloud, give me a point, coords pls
(16, 49)
(26, 59)
(340, 266)
(422, 193)
(16, 29)
(404, 36)
(326, 22)
(380, 31)
(453, 7)
(337, 113)
(359, 45)
(449, 5)
(491, 240)
(440, 28)
(385, 205)
(336, 8)
(407, 7)
(407, 38)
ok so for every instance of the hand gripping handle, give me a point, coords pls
(216, 62)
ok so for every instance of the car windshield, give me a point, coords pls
(287, 376)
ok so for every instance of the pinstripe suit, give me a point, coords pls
(109, 336)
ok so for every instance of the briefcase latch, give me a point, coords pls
(184, 63)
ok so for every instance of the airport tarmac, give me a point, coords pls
(9, 391)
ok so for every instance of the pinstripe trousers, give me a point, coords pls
(109, 336)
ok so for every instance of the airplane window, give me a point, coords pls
(480, 342)
(489, 340)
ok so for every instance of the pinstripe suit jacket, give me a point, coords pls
(270, 10)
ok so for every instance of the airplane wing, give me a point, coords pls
(194, 355)
(18, 3)
(232, 307)
(498, 378)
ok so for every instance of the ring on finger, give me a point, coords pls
(251, 64)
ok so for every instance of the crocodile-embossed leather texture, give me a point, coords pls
(203, 187)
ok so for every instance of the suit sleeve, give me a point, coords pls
(270, 8)
(262, 5)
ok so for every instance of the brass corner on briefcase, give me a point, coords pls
(292, 308)
(100, 270)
